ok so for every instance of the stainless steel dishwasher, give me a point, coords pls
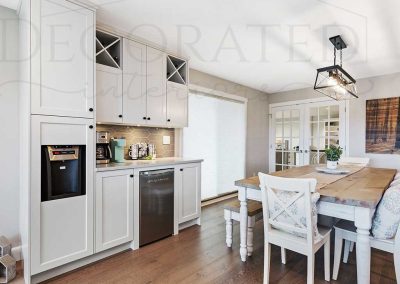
(156, 191)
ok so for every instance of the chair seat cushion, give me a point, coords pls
(387, 216)
(253, 207)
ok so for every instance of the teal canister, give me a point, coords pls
(118, 149)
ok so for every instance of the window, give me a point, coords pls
(217, 134)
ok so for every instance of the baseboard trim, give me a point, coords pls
(218, 199)
(16, 253)
(46, 275)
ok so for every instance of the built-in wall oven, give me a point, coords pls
(156, 191)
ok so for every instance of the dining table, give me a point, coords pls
(352, 195)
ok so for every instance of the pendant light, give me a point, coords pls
(333, 81)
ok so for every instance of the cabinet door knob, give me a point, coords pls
(131, 176)
(144, 117)
(90, 109)
(168, 120)
(91, 126)
(181, 170)
(148, 118)
(120, 115)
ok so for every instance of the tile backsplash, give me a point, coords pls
(136, 134)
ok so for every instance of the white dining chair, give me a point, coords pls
(345, 230)
(355, 161)
(290, 223)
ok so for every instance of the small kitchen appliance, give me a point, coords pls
(142, 151)
(117, 149)
(103, 150)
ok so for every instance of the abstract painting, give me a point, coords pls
(383, 126)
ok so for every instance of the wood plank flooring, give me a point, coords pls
(199, 255)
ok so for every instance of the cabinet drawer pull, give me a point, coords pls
(181, 170)
(91, 126)
(144, 117)
(131, 176)
(148, 118)
(90, 109)
(120, 115)
(168, 120)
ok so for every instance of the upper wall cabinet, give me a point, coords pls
(62, 59)
(108, 94)
(153, 90)
(156, 87)
(177, 105)
(134, 83)
(108, 78)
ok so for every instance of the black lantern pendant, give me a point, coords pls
(333, 81)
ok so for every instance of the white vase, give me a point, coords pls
(332, 165)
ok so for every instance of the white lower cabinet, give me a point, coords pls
(188, 184)
(114, 209)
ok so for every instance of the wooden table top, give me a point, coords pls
(363, 187)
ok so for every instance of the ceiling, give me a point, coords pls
(269, 45)
(11, 4)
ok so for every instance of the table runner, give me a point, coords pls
(324, 179)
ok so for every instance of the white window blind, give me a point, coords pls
(216, 133)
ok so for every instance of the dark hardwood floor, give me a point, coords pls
(199, 255)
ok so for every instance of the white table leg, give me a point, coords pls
(243, 223)
(363, 222)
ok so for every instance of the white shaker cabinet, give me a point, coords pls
(134, 82)
(188, 184)
(114, 208)
(108, 94)
(156, 87)
(62, 42)
(61, 230)
(177, 105)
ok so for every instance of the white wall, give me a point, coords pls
(370, 88)
(9, 126)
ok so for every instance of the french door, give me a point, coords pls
(299, 133)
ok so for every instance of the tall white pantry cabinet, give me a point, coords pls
(57, 108)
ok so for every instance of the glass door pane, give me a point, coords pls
(287, 138)
(324, 130)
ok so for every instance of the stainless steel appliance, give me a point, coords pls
(63, 170)
(156, 191)
(103, 150)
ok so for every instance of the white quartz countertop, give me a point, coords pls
(132, 164)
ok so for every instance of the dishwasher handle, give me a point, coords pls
(156, 172)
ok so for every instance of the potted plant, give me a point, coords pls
(333, 154)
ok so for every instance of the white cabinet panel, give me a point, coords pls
(108, 94)
(188, 185)
(177, 105)
(63, 59)
(61, 230)
(156, 87)
(114, 208)
(134, 82)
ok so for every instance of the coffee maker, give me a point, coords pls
(103, 150)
